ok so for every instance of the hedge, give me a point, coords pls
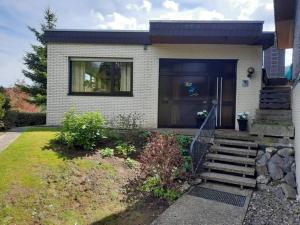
(21, 119)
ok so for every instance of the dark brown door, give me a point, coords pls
(189, 86)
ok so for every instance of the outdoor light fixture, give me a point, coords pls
(250, 72)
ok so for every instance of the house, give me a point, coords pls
(287, 21)
(166, 74)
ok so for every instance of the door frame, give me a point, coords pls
(235, 61)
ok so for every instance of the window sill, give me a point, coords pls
(100, 94)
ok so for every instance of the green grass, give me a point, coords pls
(40, 186)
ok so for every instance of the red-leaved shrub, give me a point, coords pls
(162, 158)
(19, 100)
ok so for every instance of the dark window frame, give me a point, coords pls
(112, 93)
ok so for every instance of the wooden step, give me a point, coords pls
(230, 179)
(230, 168)
(229, 158)
(233, 151)
(233, 135)
(235, 143)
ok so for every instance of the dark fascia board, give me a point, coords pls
(179, 32)
(266, 40)
(205, 28)
(98, 36)
(284, 14)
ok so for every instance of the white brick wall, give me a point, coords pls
(145, 77)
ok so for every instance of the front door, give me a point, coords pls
(189, 86)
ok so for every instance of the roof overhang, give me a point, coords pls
(284, 11)
(173, 32)
(210, 32)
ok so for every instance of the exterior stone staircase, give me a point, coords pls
(274, 116)
(231, 160)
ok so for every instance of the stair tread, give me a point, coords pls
(229, 158)
(230, 168)
(229, 179)
(236, 143)
(237, 151)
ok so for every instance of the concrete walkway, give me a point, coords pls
(10, 136)
(193, 210)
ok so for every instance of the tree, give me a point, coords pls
(36, 62)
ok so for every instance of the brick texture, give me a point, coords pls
(145, 77)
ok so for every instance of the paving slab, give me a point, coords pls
(193, 210)
(10, 136)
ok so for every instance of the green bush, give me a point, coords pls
(107, 152)
(4, 107)
(21, 119)
(124, 150)
(82, 130)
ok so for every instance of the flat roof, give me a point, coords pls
(172, 32)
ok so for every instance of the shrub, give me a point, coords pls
(21, 119)
(127, 128)
(107, 152)
(124, 150)
(4, 107)
(162, 159)
(82, 130)
(126, 121)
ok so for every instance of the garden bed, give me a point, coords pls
(41, 184)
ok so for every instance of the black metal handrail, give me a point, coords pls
(203, 139)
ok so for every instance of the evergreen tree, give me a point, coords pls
(36, 62)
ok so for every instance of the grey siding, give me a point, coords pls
(296, 50)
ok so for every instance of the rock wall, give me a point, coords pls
(277, 167)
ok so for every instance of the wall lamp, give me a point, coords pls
(250, 72)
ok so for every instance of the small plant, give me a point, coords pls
(202, 114)
(153, 185)
(82, 130)
(131, 163)
(124, 150)
(184, 145)
(107, 152)
(243, 116)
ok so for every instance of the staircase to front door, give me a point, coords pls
(231, 160)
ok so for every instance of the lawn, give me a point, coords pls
(40, 185)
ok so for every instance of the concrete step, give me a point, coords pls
(233, 151)
(235, 143)
(229, 158)
(230, 168)
(273, 130)
(230, 179)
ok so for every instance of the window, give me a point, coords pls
(101, 76)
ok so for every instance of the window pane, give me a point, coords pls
(123, 77)
(102, 77)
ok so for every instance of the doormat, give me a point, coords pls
(219, 196)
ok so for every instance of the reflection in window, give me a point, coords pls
(107, 77)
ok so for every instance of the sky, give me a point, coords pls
(16, 15)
